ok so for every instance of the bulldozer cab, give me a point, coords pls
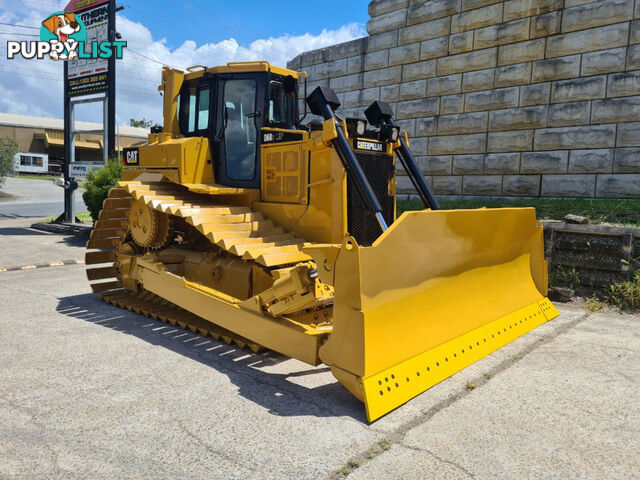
(231, 110)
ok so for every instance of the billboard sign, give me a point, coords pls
(92, 72)
(86, 76)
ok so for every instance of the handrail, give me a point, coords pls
(257, 62)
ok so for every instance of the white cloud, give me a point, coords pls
(35, 88)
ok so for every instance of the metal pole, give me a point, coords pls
(68, 127)
(106, 145)
(110, 120)
(72, 159)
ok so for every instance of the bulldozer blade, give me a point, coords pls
(436, 292)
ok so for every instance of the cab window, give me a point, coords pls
(278, 105)
(240, 133)
(192, 112)
(194, 104)
(203, 108)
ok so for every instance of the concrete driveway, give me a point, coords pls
(91, 391)
(22, 197)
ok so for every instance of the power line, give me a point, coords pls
(162, 22)
(127, 71)
(136, 74)
(208, 33)
(238, 26)
(291, 51)
(19, 34)
(50, 76)
(148, 58)
(128, 49)
(51, 4)
(20, 26)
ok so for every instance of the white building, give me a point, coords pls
(31, 163)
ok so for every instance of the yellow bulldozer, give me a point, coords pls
(238, 221)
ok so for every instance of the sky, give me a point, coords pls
(179, 33)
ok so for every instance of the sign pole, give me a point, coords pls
(68, 214)
(110, 126)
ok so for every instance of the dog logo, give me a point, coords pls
(62, 29)
(63, 26)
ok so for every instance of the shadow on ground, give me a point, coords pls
(16, 231)
(277, 392)
(68, 240)
(73, 241)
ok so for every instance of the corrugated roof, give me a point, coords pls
(10, 119)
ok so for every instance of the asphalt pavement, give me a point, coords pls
(91, 391)
(29, 198)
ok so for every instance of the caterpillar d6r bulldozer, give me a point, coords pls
(239, 222)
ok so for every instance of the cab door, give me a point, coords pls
(239, 120)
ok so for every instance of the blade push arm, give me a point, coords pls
(381, 115)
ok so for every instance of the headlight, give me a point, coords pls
(356, 127)
(389, 133)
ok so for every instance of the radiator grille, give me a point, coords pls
(379, 170)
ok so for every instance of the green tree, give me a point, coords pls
(98, 184)
(144, 123)
(8, 150)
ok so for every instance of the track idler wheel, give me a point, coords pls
(149, 228)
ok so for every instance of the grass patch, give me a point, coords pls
(625, 295)
(382, 446)
(594, 305)
(600, 210)
(84, 217)
(349, 467)
(344, 471)
(622, 295)
(564, 277)
(38, 177)
(470, 385)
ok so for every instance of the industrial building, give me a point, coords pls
(41, 142)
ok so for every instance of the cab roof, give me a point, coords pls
(240, 67)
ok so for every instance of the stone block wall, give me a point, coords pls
(591, 255)
(501, 98)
